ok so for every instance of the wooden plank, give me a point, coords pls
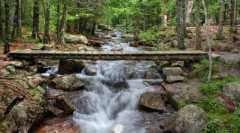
(103, 55)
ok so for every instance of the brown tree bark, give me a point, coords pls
(7, 27)
(233, 15)
(35, 20)
(46, 37)
(1, 20)
(220, 34)
(17, 28)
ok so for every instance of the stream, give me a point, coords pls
(109, 104)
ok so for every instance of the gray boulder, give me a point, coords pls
(68, 83)
(170, 71)
(232, 90)
(69, 38)
(173, 79)
(190, 119)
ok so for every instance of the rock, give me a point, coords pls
(178, 64)
(58, 125)
(173, 79)
(65, 105)
(172, 71)
(232, 90)
(22, 109)
(230, 58)
(90, 70)
(96, 43)
(155, 100)
(190, 119)
(11, 69)
(69, 38)
(67, 83)
(70, 66)
(35, 80)
(17, 64)
(128, 37)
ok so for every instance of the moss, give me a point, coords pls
(3, 126)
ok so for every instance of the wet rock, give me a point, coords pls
(58, 125)
(170, 71)
(178, 64)
(68, 83)
(90, 70)
(70, 66)
(69, 38)
(173, 79)
(154, 101)
(95, 42)
(64, 104)
(190, 119)
(232, 90)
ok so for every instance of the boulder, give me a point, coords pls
(90, 70)
(69, 38)
(190, 119)
(155, 100)
(232, 91)
(19, 109)
(230, 58)
(172, 71)
(70, 66)
(67, 83)
(173, 79)
(128, 37)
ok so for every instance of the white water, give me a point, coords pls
(112, 99)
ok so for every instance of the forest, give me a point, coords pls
(119, 66)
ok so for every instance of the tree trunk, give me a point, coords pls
(189, 11)
(17, 29)
(197, 21)
(1, 20)
(220, 34)
(181, 23)
(46, 37)
(61, 23)
(233, 16)
(35, 20)
(7, 27)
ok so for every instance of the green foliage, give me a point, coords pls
(211, 104)
(148, 36)
(201, 69)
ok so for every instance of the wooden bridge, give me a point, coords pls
(102, 55)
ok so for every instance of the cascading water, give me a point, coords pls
(111, 97)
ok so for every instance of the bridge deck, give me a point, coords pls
(102, 55)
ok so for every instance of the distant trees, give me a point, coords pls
(17, 28)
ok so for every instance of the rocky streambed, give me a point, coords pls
(96, 97)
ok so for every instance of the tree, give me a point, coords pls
(61, 21)
(233, 15)
(1, 20)
(7, 27)
(220, 34)
(35, 20)
(17, 28)
(46, 37)
(181, 22)
(197, 22)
